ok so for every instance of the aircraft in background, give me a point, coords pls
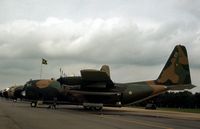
(95, 88)
(13, 92)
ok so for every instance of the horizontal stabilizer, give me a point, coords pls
(182, 87)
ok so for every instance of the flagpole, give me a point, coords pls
(44, 61)
(60, 72)
(41, 71)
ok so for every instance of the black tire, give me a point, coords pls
(86, 107)
(33, 104)
(98, 108)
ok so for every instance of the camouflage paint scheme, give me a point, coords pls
(42, 89)
(96, 86)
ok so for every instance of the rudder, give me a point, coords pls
(176, 71)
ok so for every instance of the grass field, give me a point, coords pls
(180, 110)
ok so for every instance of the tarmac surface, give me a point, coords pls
(19, 115)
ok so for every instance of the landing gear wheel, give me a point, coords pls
(93, 108)
(98, 108)
(33, 104)
(53, 106)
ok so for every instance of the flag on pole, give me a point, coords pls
(44, 61)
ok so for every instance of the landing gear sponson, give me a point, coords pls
(35, 104)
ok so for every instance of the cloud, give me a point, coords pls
(122, 43)
(96, 40)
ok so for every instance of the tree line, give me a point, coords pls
(184, 99)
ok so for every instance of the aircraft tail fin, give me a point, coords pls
(106, 69)
(176, 71)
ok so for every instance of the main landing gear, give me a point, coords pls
(93, 106)
(33, 104)
(52, 106)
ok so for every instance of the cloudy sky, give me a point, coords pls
(134, 37)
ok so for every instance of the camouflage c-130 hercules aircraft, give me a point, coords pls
(95, 89)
